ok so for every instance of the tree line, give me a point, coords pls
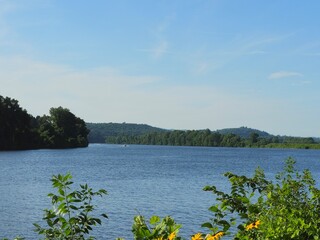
(20, 130)
(207, 138)
(99, 131)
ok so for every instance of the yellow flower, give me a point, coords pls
(159, 238)
(172, 236)
(253, 225)
(209, 237)
(258, 223)
(219, 234)
(197, 236)
(216, 236)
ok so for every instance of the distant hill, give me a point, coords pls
(99, 131)
(244, 132)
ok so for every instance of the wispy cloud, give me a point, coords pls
(284, 74)
(256, 52)
(5, 8)
(160, 49)
(209, 59)
(161, 45)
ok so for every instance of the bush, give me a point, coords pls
(286, 209)
(69, 218)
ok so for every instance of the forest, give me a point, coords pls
(62, 129)
(20, 130)
(99, 131)
(207, 138)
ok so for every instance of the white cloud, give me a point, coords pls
(284, 74)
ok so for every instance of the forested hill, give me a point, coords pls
(244, 132)
(100, 131)
(124, 133)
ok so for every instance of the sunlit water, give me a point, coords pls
(143, 180)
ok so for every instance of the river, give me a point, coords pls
(145, 180)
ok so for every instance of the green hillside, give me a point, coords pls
(131, 133)
(100, 131)
(244, 132)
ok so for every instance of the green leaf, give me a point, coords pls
(73, 207)
(154, 220)
(214, 209)
(104, 215)
(207, 225)
(61, 192)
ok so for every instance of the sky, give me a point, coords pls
(174, 64)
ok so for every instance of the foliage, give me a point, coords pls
(70, 218)
(286, 209)
(158, 229)
(62, 129)
(100, 131)
(207, 138)
(244, 132)
(16, 126)
(20, 130)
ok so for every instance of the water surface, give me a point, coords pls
(149, 180)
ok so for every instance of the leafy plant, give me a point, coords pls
(70, 218)
(166, 228)
(286, 209)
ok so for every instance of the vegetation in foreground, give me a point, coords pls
(254, 208)
(19, 130)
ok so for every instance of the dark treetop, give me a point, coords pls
(20, 130)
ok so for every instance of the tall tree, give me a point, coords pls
(20, 130)
(67, 129)
(16, 130)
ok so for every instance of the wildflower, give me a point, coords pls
(216, 236)
(172, 236)
(219, 234)
(197, 236)
(253, 225)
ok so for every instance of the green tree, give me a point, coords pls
(62, 129)
(254, 137)
(16, 126)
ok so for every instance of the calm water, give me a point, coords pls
(139, 179)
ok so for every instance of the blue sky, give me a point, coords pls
(173, 64)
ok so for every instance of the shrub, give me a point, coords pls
(286, 209)
(70, 218)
